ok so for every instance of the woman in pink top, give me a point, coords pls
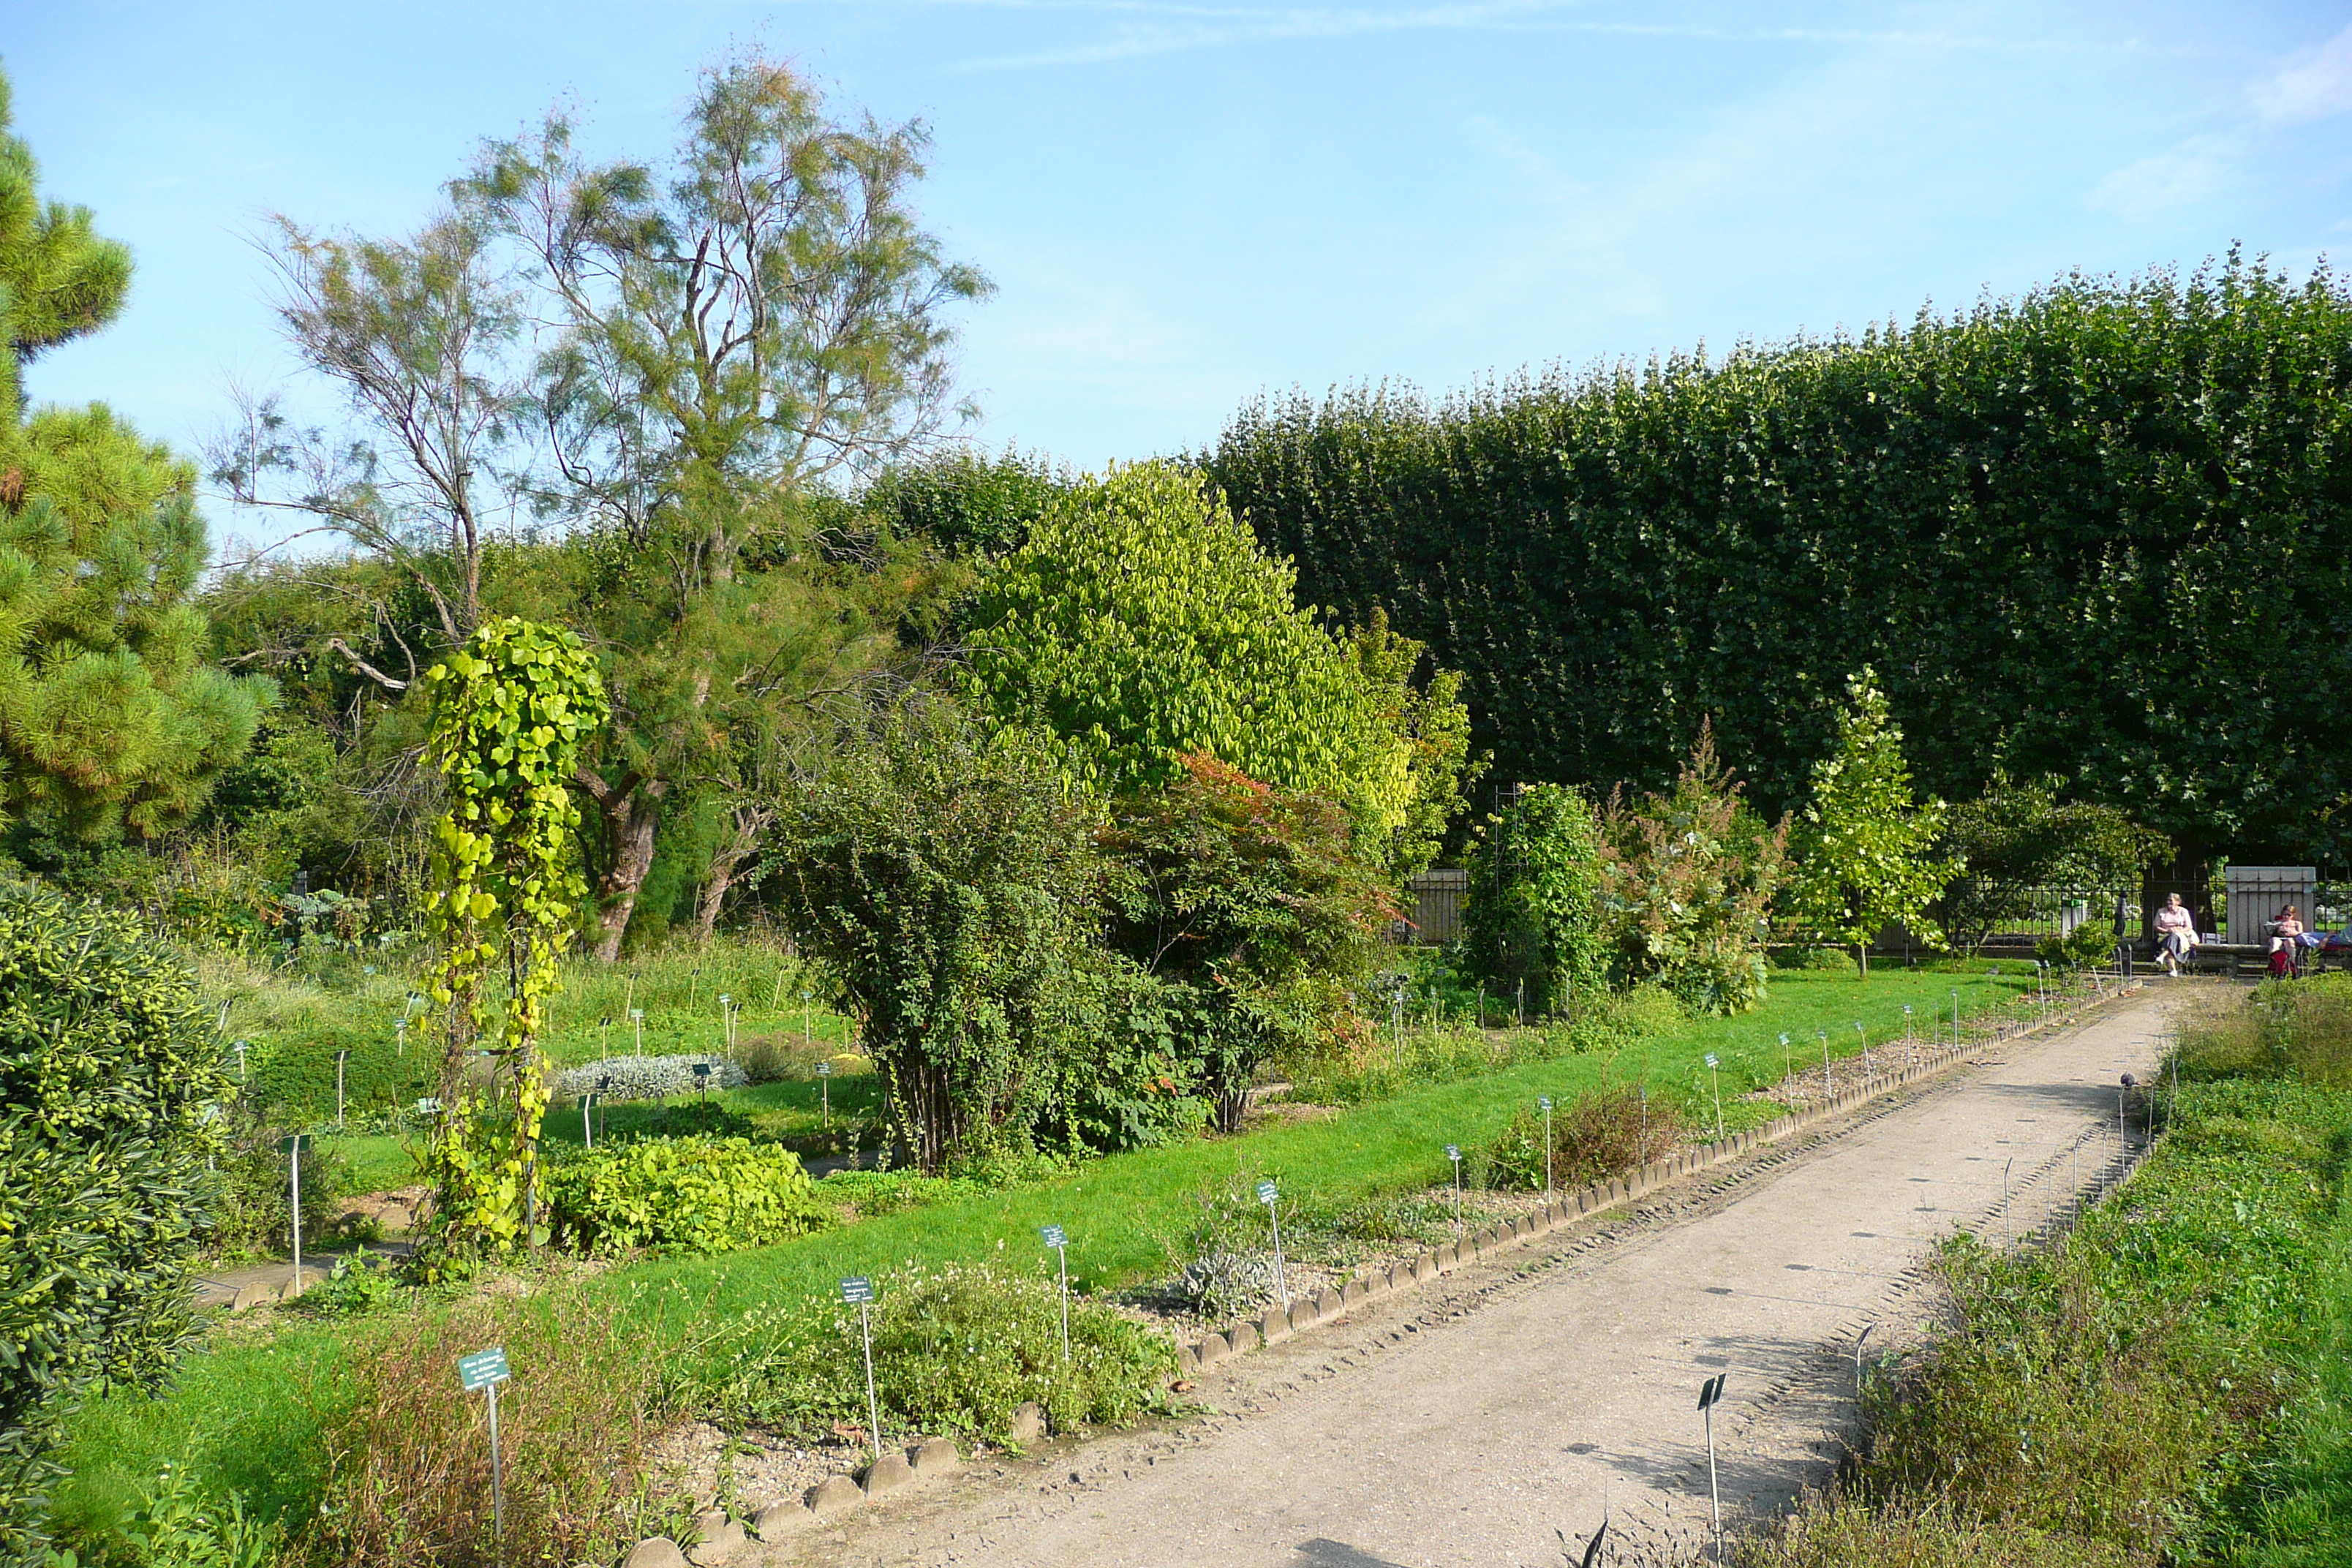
(2176, 933)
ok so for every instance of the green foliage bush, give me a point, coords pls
(957, 1348)
(690, 1195)
(173, 1526)
(950, 893)
(108, 1070)
(1248, 905)
(1534, 911)
(2135, 468)
(2019, 838)
(1687, 892)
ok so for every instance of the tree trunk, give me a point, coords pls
(630, 812)
(750, 826)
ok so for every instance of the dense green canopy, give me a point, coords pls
(111, 714)
(2100, 532)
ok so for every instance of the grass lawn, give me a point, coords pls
(239, 1412)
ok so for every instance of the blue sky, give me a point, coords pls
(1187, 204)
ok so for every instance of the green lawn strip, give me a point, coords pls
(1118, 1210)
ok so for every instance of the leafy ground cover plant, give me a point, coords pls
(687, 1194)
(957, 1348)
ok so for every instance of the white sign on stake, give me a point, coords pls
(1059, 1240)
(1544, 1102)
(858, 1291)
(1268, 1193)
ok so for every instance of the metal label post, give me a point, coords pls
(1059, 1240)
(1269, 1194)
(485, 1370)
(858, 1291)
(1544, 1100)
(294, 1146)
(1710, 1394)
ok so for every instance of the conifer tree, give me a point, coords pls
(110, 716)
(1863, 848)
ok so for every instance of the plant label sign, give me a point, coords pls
(585, 1101)
(1543, 1102)
(1055, 1235)
(483, 1368)
(1267, 1192)
(295, 1144)
(1453, 1152)
(857, 1291)
(1710, 1393)
(1711, 1062)
(824, 1069)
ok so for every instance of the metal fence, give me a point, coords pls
(1435, 915)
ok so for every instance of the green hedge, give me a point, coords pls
(2101, 530)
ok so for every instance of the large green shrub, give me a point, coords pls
(1534, 911)
(956, 1349)
(108, 1073)
(1249, 902)
(684, 1194)
(1687, 893)
(950, 893)
(2020, 839)
(2072, 528)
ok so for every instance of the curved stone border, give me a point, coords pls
(720, 1539)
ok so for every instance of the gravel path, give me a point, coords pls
(1462, 1424)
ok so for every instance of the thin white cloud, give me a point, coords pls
(2177, 177)
(2317, 86)
(1148, 27)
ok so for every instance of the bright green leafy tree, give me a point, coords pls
(111, 716)
(1865, 848)
(1141, 624)
(511, 710)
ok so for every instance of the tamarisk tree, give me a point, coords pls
(510, 713)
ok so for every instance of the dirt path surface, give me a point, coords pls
(1462, 1423)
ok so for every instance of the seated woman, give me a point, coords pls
(2175, 934)
(2287, 943)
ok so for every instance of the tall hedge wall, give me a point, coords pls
(2100, 531)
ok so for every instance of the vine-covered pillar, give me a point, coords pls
(510, 711)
